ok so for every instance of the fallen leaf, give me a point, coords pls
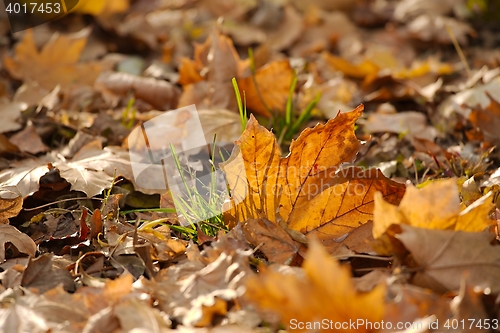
(359, 71)
(91, 171)
(407, 9)
(6, 146)
(101, 7)
(42, 274)
(431, 65)
(161, 94)
(323, 30)
(268, 90)
(469, 191)
(321, 292)
(412, 123)
(308, 190)
(22, 242)
(56, 64)
(217, 61)
(29, 141)
(116, 289)
(194, 291)
(435, 28)
(136, 315)
(287, 32)
(11, 114)
(444, 257)
(276, 243)
(468, 305)
(409, 303)
(10, 205)
(436, 206)
(488, 120)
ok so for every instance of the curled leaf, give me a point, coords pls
(22, 242)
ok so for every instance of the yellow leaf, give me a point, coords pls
(431, 65)
(273, 87)
(56, 64)
(10, 205)
(115, 289)
(359, 71)
(100, 7)
(436, 206)
(324, 293)
(308, 190)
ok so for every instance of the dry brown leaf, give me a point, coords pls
(10, 113)
(196, 290)
(408, 303)
(323, 31)
(288, 32)
(436, 206)
(272, 90)
(444, 257)
(488, 120)
(207, 79)
(271, 239)
(324, 291)
(469, 305)
(307, 190)
(10, 205)
(217, 62)
(434, 28)
(56, 64)
(42, 274)
(189, 72)
(22, 242)
(29, 141)
(412, 123)
(6, 146)
(91, 170)
(162, 95)
(116, 289)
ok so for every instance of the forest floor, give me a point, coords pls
(251, 166)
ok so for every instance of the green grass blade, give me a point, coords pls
(289, 101)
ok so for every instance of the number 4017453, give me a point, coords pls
(25, 14)
(469, 324)
(34, 7)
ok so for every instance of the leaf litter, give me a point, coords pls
(358, 145)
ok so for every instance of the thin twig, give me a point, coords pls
(459, 51)
(62, 200)
(364, 256)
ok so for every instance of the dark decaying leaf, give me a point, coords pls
(43, 274)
